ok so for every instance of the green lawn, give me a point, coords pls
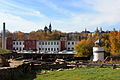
(4, 51)
(77, 74)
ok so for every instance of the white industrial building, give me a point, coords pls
(18, 45)
(48, 46)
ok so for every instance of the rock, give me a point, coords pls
(60, 70)
(3, 62)
(118, 68)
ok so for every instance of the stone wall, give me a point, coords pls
(7, 73)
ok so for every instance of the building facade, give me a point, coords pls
(48, 46)
(18, 45)
(41, 46)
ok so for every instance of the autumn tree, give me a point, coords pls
(84, 47)
(106, 41)
(114, 43)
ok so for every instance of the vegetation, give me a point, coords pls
(110, 39)
(111, 43)
(84, 47)
(4, 51)
(77, 74)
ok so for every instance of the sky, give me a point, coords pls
(64, 15)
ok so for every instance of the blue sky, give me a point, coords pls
(65, 15)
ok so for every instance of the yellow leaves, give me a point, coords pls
(84, 48)
(41, 35)
(114, 40)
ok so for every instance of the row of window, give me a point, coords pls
(48, 49)
(40, 49)
(40, 43)
(43, 43)
(17, 48)
(73, 43)
(48, 43)
(71, 48)
(18, 43)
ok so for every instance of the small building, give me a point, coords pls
(98, 51)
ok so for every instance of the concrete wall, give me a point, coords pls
(7, 73)
(98, 53)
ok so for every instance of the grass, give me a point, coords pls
(77, 74)
(4, 51)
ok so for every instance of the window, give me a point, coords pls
(23, 43)
(30, 43)
(42, 43)
(72, 48)
(68, 48)
(68, 43)
(57, 49)
(45, 43)
(54, 43)
(20, 48)
(39, 43)
(51, 43)
(20, 43)
(45, 49)
(51, 49)
(16, 43)
(72, 43)
(39, 49)
(57, 43)
(42, 48)
(48, 43)
(48, 49)
(54, 49)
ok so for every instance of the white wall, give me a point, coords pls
(98, 53)
(70, 45)
(48, 46)
(18, 46)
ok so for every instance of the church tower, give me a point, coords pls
(45, 28)
(100, 30)
(50, 28)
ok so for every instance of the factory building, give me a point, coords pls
(41, 46)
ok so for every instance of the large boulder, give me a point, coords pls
(3, 62)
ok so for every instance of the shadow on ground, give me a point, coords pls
(28, 76)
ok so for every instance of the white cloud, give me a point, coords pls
(105, 13)
(16, 23)
(108, 11)
(22, 10)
